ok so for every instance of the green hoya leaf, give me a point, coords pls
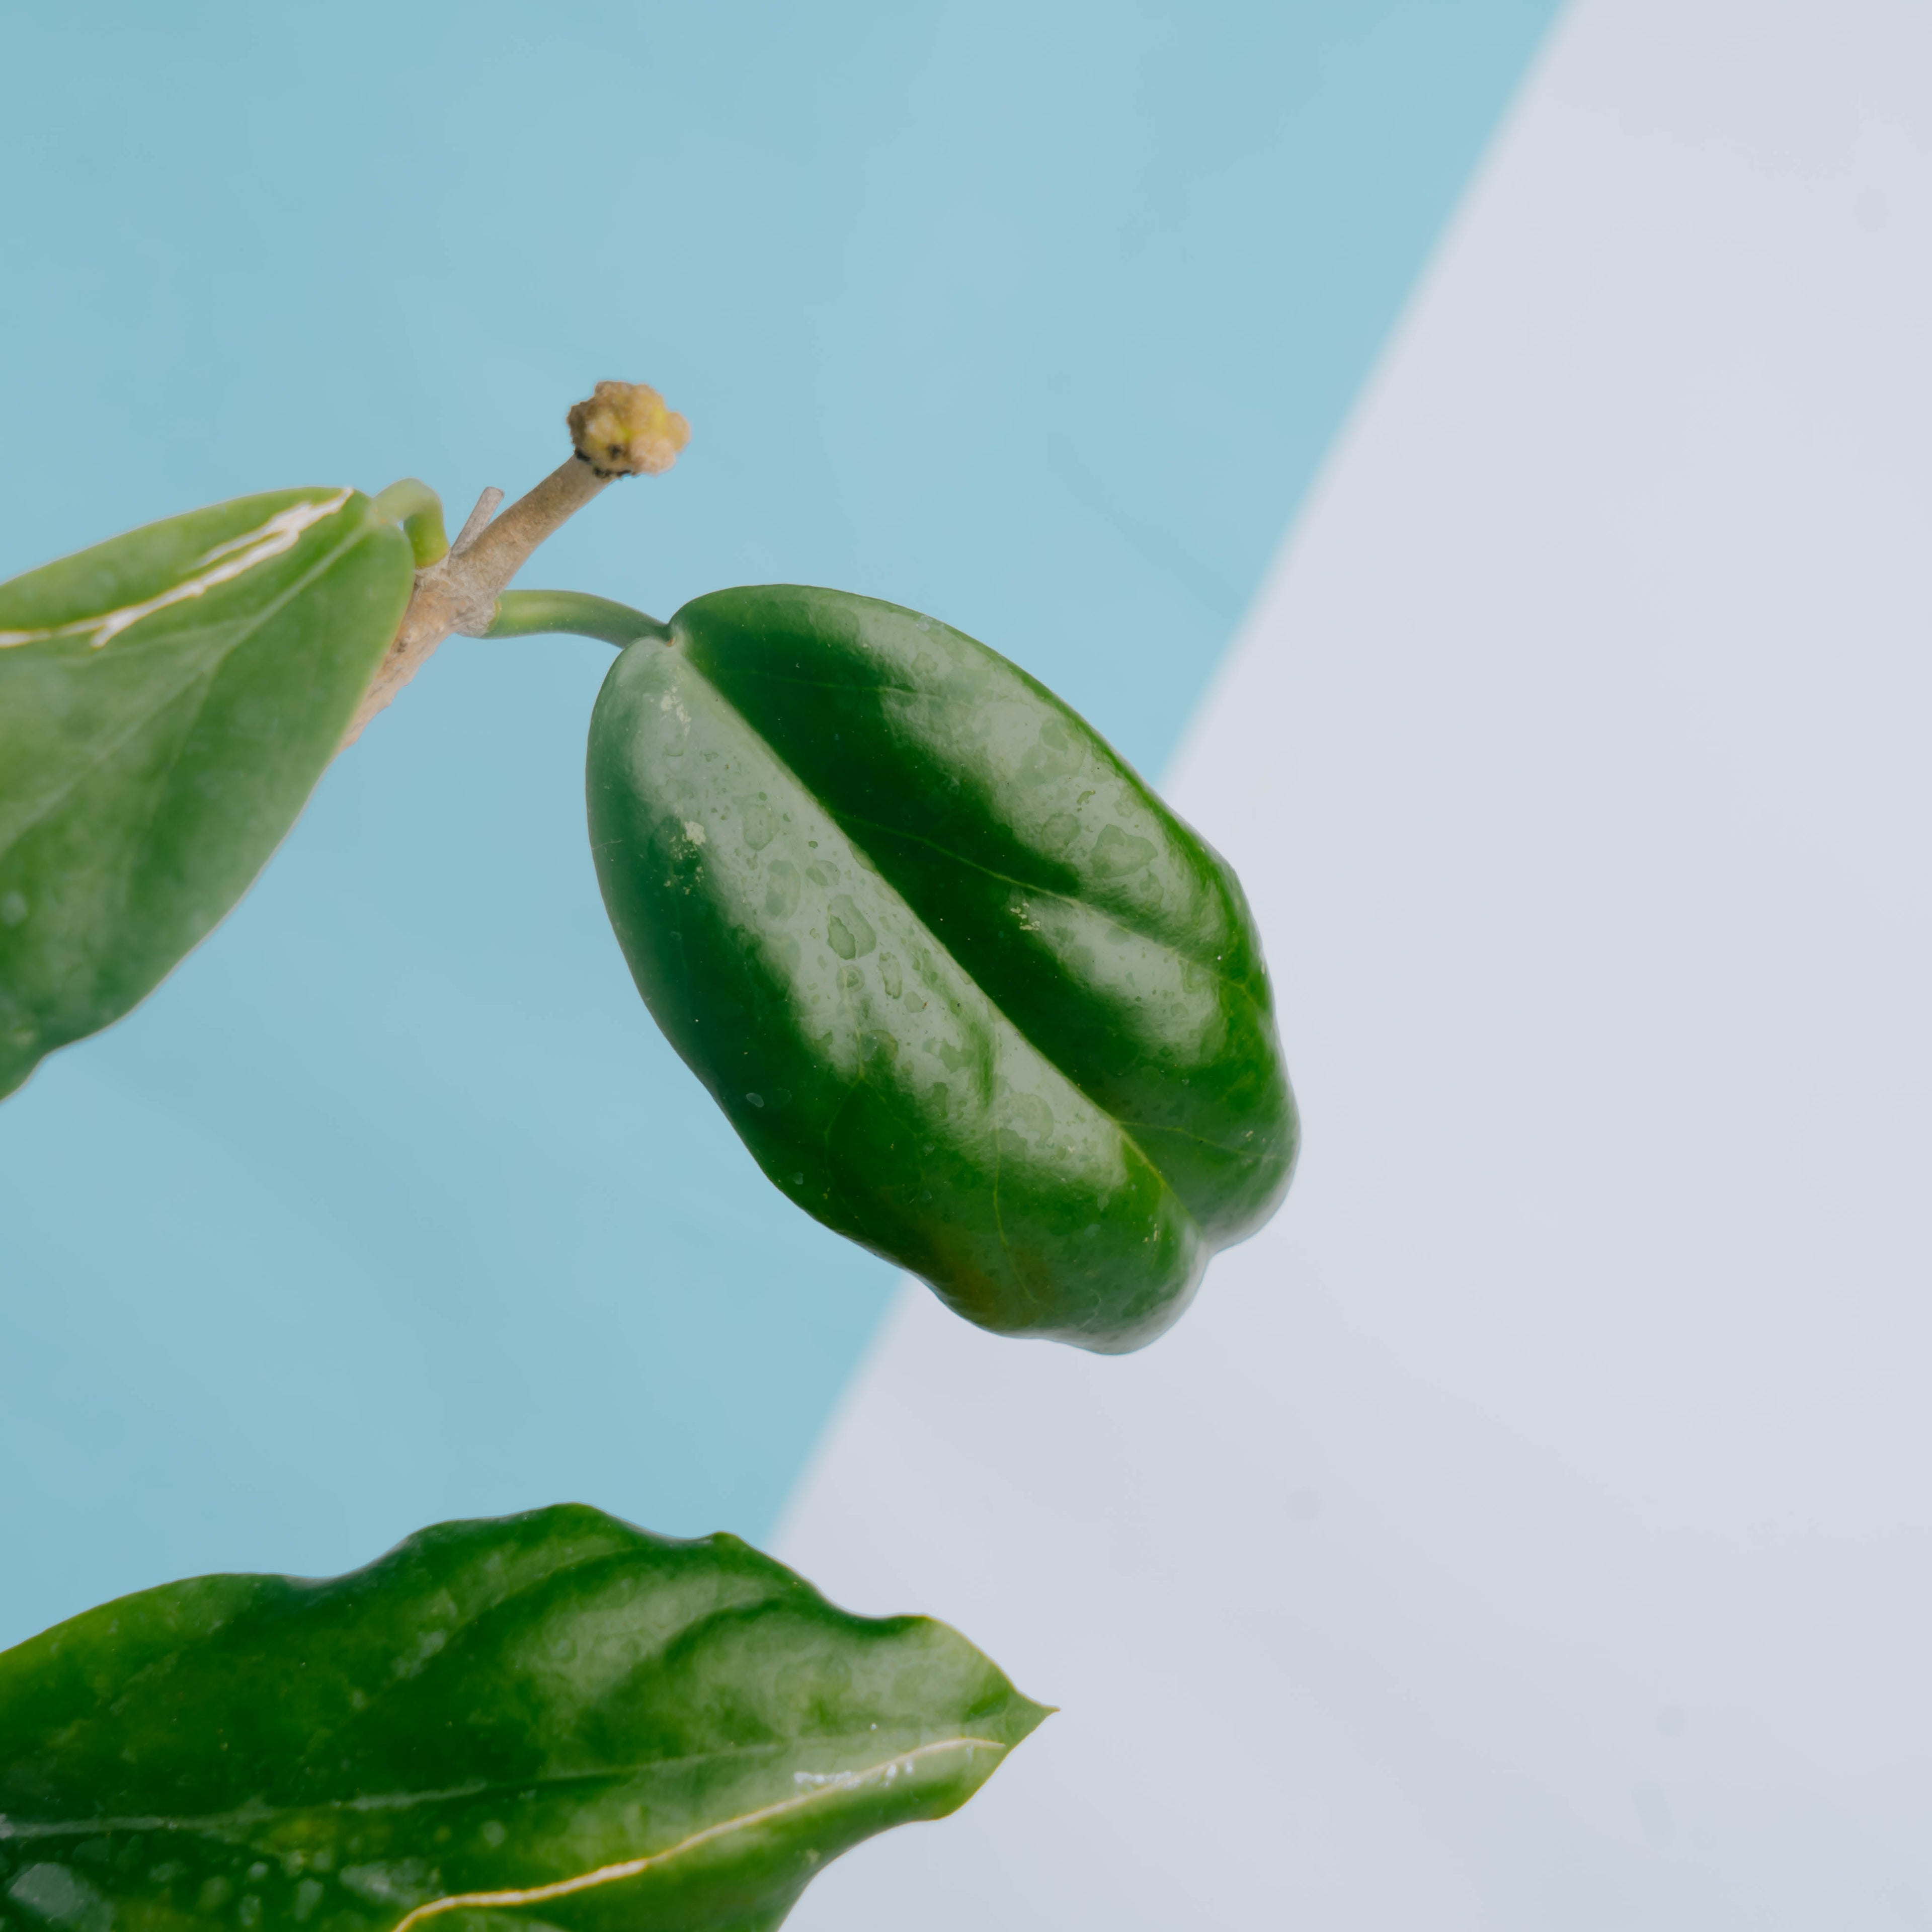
(552, 1720)
(168, 701)
(969, 992)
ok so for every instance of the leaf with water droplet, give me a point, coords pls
(168, 700)
(554, 1719)
(956, 921)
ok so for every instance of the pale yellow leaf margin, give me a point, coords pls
(833, 1785)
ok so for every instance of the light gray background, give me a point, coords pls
(1531, 1528)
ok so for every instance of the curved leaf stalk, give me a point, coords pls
(418, 509)
(527, 613)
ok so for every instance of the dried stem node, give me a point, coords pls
(623, 429)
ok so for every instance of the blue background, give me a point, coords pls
(392, 1205)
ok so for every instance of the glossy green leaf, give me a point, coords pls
(551, 1720)
(168, 701)
(969, 992)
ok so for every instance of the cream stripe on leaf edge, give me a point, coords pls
(491, 1704)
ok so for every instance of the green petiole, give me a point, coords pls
(525, 614)
(419, 510)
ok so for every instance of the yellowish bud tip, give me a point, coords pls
(624, 430)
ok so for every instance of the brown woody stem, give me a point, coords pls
(457, 594)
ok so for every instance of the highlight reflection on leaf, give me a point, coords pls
(168, 701)
(554, 1718)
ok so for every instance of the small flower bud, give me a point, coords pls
(624, 430)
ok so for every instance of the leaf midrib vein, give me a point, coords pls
(246, 1816)
(1112, 918)
(1052, 1060)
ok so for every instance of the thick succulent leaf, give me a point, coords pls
(168, 701)
(550, 1720)
(969, 992)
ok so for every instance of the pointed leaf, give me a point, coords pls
(168, 701)
(550, 1720)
